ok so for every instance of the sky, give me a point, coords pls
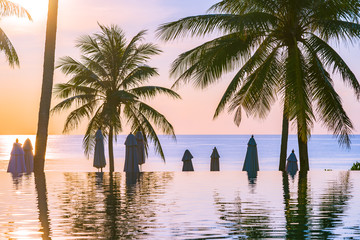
(193, 114)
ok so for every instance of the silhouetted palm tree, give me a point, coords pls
(107, 85)
(46, 89)
(8, 8)
(278, 48)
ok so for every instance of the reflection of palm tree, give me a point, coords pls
(110, 209)
(286, 194)
(81, 202)
(128, 211)
(243, 221)
(40, 185)
(302, 218)
(332, 206)
(296, 213)
(300, 224)
(112, 199)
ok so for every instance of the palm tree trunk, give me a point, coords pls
(284, 141)
(47, 83)
(303, 154)
(111, 150)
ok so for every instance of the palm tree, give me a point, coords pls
(46, 89)
(107, 86)
(278, 48)
(8, 8)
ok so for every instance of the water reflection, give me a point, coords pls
(303, 219)
(314, 205)
(132, 177)
(17, 179)
(252, 175)
(333, 204)
(244, 219)
(40, 185)
(107, 206)
(296, 211)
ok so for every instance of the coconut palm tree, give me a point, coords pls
(47, 85)
(107, 87)
(278, 48)
(8, 8)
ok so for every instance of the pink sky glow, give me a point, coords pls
(20, 87)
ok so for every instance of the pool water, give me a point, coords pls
(180, 205)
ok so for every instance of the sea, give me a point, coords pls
(71, 200)
(65, 152)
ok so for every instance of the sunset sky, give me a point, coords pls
(20, 87)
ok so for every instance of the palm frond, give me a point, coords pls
(138, 76)
(77, 100)
(208, 62)
(90, 47)
(139, 56)
(256, 60)
(329, 105)
(95, 66)
(348, 10)
(141, 117)
(130, 49)
(332, 58)
(8, 8)
(9, 50)
(202, 25)
(148, 92)
(89, 138)
(65, 90)
(258, 92)
(74, 118)
(337, 29)
(82, 74)
(243, 7)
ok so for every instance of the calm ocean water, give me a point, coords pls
(180, 205)
(70, 201)
(65, 152)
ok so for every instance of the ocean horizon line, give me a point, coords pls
(211, 134)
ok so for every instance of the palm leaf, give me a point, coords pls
(332, 58)
(74, 118)
(258, 92)
(329, 104)
(208, 62)
(8, 8)
(256, 60)
(148, 92)
(9, 50)
(202, 25)
(138, 76)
